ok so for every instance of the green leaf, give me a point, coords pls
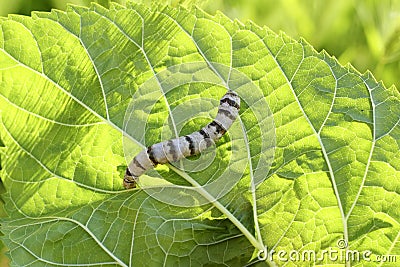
(70, 87)
(3, 258)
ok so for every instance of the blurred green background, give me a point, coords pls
(365, 33)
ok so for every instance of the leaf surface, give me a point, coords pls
(66, 84)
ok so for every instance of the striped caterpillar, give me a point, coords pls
(184, 146)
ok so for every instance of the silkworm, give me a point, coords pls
(184, 146)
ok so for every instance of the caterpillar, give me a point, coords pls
(184, 146)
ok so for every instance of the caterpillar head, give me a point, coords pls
(130, 181)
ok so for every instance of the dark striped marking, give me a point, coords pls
(151, 156)
(138, 164)
(204, 134)
(206, 137)
(191, 144)
(218, 127)
(230, 102)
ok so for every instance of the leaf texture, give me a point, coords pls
(67, 80)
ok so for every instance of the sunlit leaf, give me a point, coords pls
(66, 87)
